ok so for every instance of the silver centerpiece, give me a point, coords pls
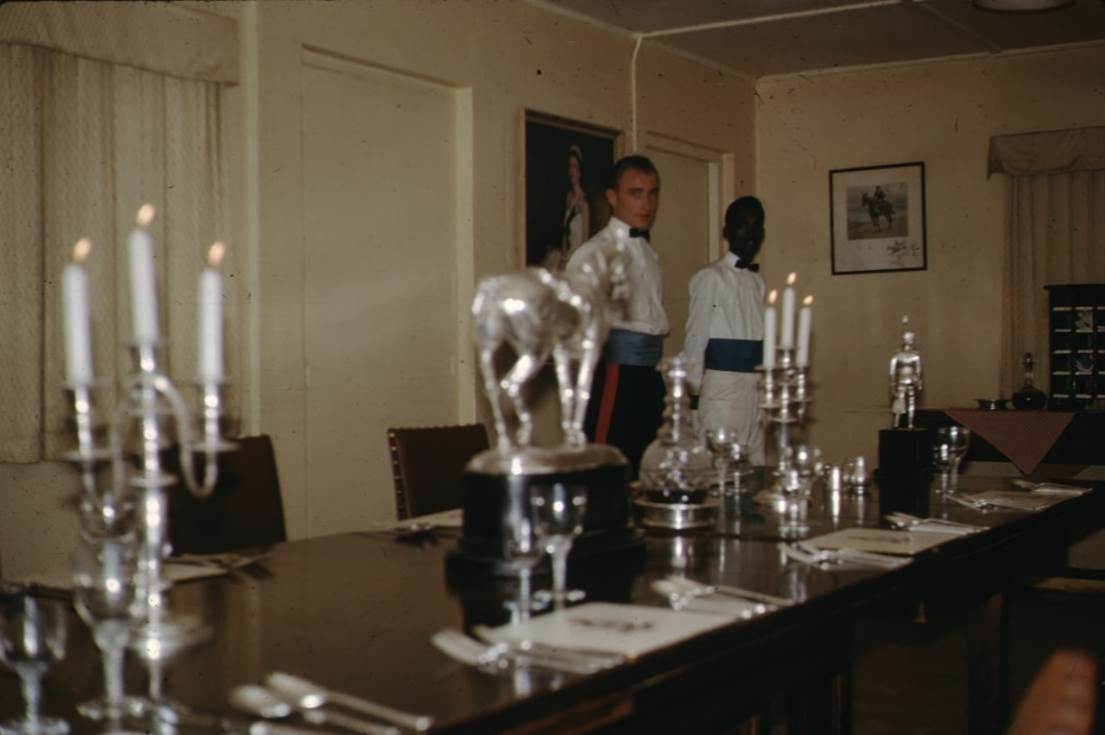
(521, 321)
(538, 314)
(906, 381)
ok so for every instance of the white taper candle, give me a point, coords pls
(211, 316)
(786, 339)
(143, 279)
(769, 330)
(805, 324)
(78, 336)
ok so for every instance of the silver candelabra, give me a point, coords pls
(136, 496)
(784, 397)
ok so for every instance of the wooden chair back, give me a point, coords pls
(427, 464)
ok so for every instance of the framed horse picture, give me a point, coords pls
(877, 218)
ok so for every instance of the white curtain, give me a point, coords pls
(1055, 233)
(83, 144)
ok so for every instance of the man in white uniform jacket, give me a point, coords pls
(627, 393)
(724, 341)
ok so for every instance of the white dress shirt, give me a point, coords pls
(727, 303)
(645, 309)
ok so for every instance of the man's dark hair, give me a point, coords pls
(635, 163)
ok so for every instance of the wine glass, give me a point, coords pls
(524, 549)
(32, 638)
(956, 439)
(107, 597)
(558, 512)
(942, 460)
(718, 441)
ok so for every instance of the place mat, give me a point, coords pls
(881, 541)
(1025, 437)
(603, 627)
(192, 567)
(453, 518)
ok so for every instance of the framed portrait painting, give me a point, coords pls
(877, 218)
(566, 166)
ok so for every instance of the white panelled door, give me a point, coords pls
(379, 200)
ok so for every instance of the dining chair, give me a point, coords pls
(427, 464)
(244, 510)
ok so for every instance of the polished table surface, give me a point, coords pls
(356, 613)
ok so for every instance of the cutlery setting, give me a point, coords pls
(285, 695)
(503, 656)
(930, 525)
(805, 554)
(687, 594)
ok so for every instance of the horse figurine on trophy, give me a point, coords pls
(538, 314)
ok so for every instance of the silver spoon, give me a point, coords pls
(308, 695)
(264, 703)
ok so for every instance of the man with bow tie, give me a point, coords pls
(627, 394)
(725, 331)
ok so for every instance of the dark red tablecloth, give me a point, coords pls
(1022, 436)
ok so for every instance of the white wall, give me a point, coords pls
(503, 58)
(942, 113)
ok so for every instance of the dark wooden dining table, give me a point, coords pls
(356, 613)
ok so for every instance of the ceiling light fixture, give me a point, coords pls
(1021, 6)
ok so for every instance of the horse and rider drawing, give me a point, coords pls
(879, 212)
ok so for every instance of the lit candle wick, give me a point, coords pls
(808, 301)
(145, 215)
(791, 279)
(81, 250)
(772, 296)
(215, 254)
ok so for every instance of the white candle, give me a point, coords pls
(786, 340)
(78, 339)
(211, 316)
(805, 323)
(769, 330)
(143, 280)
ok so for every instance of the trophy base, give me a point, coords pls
(903, 451)
(497, 487)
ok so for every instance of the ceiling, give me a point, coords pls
(767, 37)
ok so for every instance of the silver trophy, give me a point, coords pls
(521, 321)
(905, 380)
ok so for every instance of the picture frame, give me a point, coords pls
(877, 218)
(557, 218)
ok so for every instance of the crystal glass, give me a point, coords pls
(558, 512)
(523, 550)
(676, 465)
(32, 638)
(952, 443)
(107, 597)
(718, 441)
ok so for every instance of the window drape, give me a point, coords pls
(1055, 233)
(83, 144)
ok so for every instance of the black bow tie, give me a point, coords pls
(754, 267)
(634, 232)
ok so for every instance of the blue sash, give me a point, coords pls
(734, 355)
(633, 348)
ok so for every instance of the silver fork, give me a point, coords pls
(503, 656)
(701, 589)
(807, 554)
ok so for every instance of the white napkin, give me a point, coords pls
(628, 630)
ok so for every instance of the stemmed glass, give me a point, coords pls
(558, 512)
(951, 447)
(524, 550)
(32, 638)
(718, 441)
(107, 597)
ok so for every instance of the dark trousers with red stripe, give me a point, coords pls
(627, 402)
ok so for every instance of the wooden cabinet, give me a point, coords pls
(1076, 327)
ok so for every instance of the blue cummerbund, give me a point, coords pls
(734, 355)
(633, 348)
